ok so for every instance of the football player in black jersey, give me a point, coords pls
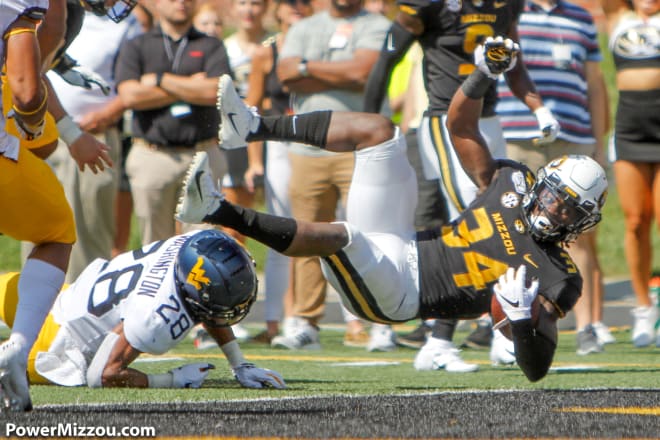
(448, 31)
(509, 242)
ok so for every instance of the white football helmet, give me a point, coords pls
(566, 199)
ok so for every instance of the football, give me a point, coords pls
(501, 322)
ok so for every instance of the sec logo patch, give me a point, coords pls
(510, 200)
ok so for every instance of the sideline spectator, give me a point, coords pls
(325, 62)
(270, 161)
(93, 196)
(168, 76)
(559, 44)
(207, 20)
(633, 29)
(241, 45)
(124, 202)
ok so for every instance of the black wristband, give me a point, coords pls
(159, 79)
(476, 85)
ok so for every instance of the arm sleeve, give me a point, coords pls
(534, 351)
(397, 41)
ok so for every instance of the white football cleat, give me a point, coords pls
(439, 354)
(644, 326)
(381, 338)
(199, 196)
(502, 350)
(14, 388)
(603, 333)
(237, 120)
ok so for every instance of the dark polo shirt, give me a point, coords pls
(180, 124)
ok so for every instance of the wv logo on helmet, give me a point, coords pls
(196, 276)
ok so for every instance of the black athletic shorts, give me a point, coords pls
(637, 129)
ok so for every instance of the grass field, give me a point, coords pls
(348, 392)
(344, 392)
(339, 370)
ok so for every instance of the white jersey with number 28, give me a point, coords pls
(136, 287)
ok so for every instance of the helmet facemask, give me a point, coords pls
(558, 210)
(214, 315)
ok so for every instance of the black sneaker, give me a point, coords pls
(480, 338)
(416, 338)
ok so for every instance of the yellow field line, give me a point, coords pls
(319, 358)
(632, 410)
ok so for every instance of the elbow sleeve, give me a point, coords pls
(397, 42)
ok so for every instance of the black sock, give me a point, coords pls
(273, 231)
(307, 128)
(444, 329)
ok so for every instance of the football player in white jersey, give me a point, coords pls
(146, 301)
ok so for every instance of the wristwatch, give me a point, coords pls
(302, 68)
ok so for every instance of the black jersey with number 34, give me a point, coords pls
(460, 264)
(452, 30)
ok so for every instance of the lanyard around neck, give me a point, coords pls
(175, 58)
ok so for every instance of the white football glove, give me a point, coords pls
(25, 130)
(191, 375)
(251, 376)
(515, 298)
(83, 77)
(548, 125)
(496, 56)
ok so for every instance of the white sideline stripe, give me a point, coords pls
(112, 405)
(364, 364)
(576, 367)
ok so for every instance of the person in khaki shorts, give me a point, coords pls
(564, 63)
(325, 61)
(168, 76)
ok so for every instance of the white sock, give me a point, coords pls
(437, 343)
(38, 286)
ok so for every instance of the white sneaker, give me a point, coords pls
(381, 338)
(437, 354)
(199, 196)
(237, 120)
(502, 350)
(240, 333)
(644, 326)
(290, 325)
(14, 388)
(603, 333)
(306, 337)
